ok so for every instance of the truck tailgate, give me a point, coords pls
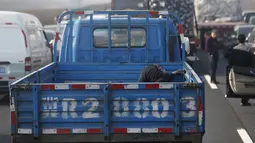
(110, 112)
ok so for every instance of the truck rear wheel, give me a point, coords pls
(13, 139)
(200, 140)
(197, 142)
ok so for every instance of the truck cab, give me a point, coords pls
(92, 93)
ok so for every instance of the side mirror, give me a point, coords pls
(187, 46)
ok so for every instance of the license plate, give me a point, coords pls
(2, 70)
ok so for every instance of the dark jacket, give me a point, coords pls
(243, 47)
(154, 73)
(212, 46)
(237, 57)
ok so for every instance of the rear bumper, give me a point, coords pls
(4, 86)
(197, 138)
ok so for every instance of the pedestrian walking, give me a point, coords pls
(213, 47)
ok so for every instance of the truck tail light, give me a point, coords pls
(200, 111)
(13, 118)
(200, 105)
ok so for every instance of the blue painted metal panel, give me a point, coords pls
(149, 53)
(152, 106)
(177, 109)
(108, 108)
(101, 55)
(107, 72)
(63, 109)
(35, 111)
(107, 123)
(113, 67)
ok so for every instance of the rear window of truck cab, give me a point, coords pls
(119, 37)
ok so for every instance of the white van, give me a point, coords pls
(23, 47)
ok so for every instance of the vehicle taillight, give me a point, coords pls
(25, 38)
(200, 104)
(13, 118)
(12, 77)
(28, 64)
(200, 111)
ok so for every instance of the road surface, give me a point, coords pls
(226, 120)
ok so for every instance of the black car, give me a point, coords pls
(251, 36)
(247, 15)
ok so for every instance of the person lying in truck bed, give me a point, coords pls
(155, 73)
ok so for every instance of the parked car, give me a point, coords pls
(24, 47)
(247, 15)
(251, 36)
(243, 29)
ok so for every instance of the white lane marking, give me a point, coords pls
(244, 136)
(208, 79)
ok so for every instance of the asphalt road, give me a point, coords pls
(226, 120)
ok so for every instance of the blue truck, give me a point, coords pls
(92, 93)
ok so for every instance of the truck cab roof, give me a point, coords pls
(148, 41)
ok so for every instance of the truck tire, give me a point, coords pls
(197, 142)
(13, 139)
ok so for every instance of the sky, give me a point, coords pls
(42, 4)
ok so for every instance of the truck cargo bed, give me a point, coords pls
(105, 104)
(103, 73)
